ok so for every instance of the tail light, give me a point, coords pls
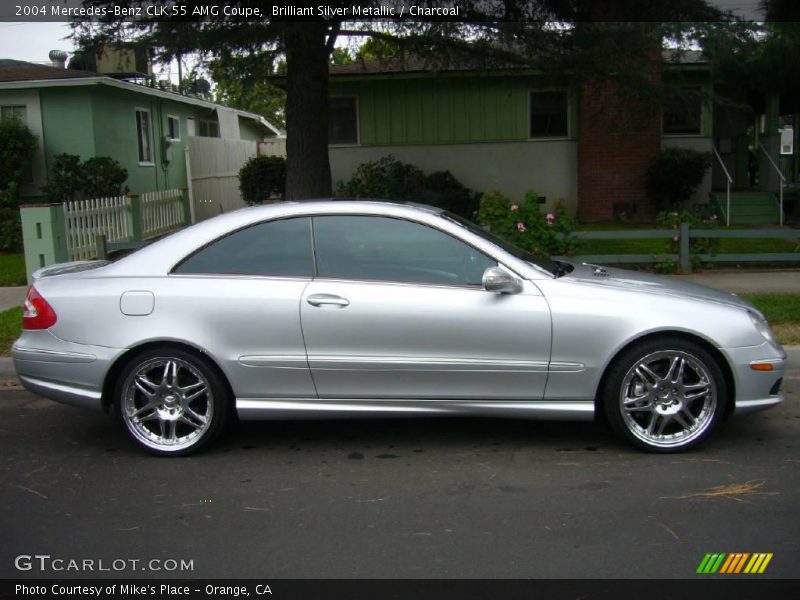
(38, 313)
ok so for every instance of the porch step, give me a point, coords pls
(749, 208)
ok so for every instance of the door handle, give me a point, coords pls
(327, 300)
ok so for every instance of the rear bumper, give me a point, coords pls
(756, 390)
(62, 371)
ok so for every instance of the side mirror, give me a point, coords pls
(497, 280)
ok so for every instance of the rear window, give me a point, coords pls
(279, 248)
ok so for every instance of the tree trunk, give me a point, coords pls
(308, 169)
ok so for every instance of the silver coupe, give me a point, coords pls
(323, 309)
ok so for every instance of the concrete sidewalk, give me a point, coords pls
(773, 281)
(12, 296)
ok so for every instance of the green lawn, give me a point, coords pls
(12, 270)
(661, 246)
(10, 327)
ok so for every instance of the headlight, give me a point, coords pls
(762, 326)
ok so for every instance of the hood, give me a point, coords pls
(590, 274)
(68, 267)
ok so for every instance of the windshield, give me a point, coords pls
(543, 262)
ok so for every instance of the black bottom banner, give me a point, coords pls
(414, 589)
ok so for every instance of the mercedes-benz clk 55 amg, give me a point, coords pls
(360, 308)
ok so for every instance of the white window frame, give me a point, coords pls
(358, 122)
(151, 147)
(12, 108)
(177, 120)
(567, 102)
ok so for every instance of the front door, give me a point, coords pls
(397, 312)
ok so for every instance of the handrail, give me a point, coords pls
(780, 184)
(727, 186)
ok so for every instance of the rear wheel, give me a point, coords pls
(171, 401)
(665, 395)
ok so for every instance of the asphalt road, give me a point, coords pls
(444, 498)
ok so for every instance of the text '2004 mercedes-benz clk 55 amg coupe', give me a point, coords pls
(359, 308)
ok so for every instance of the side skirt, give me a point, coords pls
(251, 409)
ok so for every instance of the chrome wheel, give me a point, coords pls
(167, 404)
(668, 399)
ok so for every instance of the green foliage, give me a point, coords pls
(523, 224)
(10, 223)
(674, 174)
(96, 177)
(12, 270)
(103, 176)
(10, 328)
(17, 147)
(263, 179)
(697, 246)
(390, 179)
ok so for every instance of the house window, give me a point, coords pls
(548, 114)
(208, 128)
(683, 111)
(14, 112)
(173, 128)
(343, 120)
(144, 136)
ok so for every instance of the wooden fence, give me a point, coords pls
(84, 220)
(161, 212)
(121, 220)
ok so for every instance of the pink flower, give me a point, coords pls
(514, 207)
(521, 227)
(550, 218)
(675, 239)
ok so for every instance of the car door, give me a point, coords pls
(397, 311)
(238, 299)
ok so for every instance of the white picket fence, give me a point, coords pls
(162, 212)
(113, 218)
(84, 220)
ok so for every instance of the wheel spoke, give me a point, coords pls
(685, 419)
(699, 390)
(647, 376)
(199, 420)
(675, 365)
(173, 425)
(142, 384)
(194, 396)
(136, 418)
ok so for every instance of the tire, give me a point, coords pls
(664, 395)
(172, 402)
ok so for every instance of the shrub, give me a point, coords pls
(697, 246)
(17, 147)
(263, 179)
(390, 179)
(10, 224)
(674, 174)
(523, 224)
(103, 176)
(96, 177)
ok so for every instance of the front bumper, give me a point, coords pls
(756, 390)
(62, 371)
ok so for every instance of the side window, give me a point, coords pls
(387, 249)
(275, 248)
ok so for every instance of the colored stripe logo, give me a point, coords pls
(734, 563)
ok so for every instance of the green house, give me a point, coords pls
(515, 130)
(144, 128)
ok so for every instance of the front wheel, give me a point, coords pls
(665, 395)
(171, 402)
